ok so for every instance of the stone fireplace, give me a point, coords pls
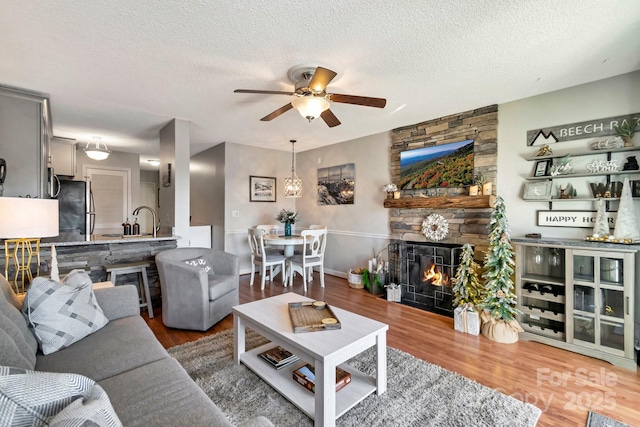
(424, 271)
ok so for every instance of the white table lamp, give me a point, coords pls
(23, 221)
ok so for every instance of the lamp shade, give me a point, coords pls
(97, 150)
(310, 107)
(23, 217)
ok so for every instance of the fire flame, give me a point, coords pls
(436, 277)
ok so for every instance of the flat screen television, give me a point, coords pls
(445, 165)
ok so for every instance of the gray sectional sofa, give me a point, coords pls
(145, 385)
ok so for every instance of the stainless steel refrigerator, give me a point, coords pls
(76, 210)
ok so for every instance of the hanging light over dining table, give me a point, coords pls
(293, 184)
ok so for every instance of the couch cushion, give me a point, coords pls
(7, 292)
(161, 393)
(18, 346)
(61, 314)
(122, 345)
(14, 350)
(200, 263)
(220, 284)
(43, 398)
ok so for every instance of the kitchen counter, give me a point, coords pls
(106, 239)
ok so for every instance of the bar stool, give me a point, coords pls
(134, 267)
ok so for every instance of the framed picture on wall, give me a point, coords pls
(542, 168)
(262, 189)
(537, 190)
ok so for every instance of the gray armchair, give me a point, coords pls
(193, 298)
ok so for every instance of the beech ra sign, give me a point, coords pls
(579, 219)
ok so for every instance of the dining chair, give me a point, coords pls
(312, 255)
(259, 256)
(316, 227)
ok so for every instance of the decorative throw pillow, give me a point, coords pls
(32, 398)
(200, 263)
(62, 313)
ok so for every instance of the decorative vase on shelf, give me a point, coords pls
(473, 190)
(287, 229)
(486, 188)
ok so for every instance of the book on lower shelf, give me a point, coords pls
(306, 377)
(278, 357)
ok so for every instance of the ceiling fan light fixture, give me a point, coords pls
(310, 107)
(293, 184)
(97, 150)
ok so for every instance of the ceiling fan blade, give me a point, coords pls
(358, 100)
(265, 92)
(329, 118)
(276, 113)
(321, 79)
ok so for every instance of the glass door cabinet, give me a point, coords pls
(601, 301)
(579, 296)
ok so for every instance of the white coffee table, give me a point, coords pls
(324, 349)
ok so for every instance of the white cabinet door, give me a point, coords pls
(63, 157)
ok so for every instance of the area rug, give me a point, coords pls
(599, 420)
(418, 393)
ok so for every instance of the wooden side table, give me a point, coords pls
(134, 267)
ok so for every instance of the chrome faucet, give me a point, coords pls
(156, 228)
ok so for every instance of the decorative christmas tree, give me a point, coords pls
(601, 229)
(499, 302)
(467, 288)
(626, 224)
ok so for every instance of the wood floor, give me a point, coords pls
(564, 385)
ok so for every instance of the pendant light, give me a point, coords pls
(94, 151)
(293, 184)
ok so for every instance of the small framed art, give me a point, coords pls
(542, 168)
(537, 190)
(262, 189)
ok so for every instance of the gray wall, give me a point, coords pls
(241, 161)
(605, 98)
(355, 231)
(174, 197)
(207, 192)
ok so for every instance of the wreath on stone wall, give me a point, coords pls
(435, 227)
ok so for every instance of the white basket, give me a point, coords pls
(355, 280)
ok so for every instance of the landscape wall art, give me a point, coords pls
(446, 165)
(336, 185)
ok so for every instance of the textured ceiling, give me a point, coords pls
(122, 69)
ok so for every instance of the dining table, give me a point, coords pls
(289, 242)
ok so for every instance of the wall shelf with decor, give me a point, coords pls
(579, 152)
(579, 296)
(442, 202)
(580, 175)
(543, 194)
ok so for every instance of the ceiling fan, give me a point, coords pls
(310, 96)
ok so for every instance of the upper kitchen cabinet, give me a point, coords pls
(62, 156)
(25, 129)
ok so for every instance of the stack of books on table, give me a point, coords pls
(305, 376)
(278, 357)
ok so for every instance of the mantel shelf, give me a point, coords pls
(443, 202)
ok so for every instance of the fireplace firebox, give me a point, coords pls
(424, 271)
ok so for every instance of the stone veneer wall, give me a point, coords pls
(465, 225)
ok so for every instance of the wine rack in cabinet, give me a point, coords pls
(542, 292)
(579, 296)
